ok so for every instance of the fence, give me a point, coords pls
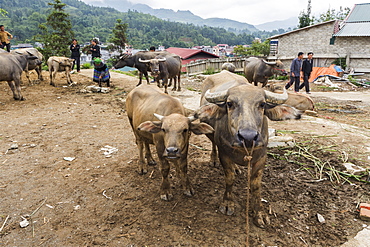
(201, 66)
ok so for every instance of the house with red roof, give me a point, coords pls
(189, 55)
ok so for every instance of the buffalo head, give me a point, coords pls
(153, 64)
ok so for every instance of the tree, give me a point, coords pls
(56, 32)
(240, 50)
(304, 18)
(118, 38)
(3, 12)
(259, 49)
(331, 14)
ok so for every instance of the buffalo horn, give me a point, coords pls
(160, 117)
(144, 61)
(161, 59)
(276, 98)
(216, 97)
(191, 118)
(269, 63)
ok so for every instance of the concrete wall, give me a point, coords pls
(317, 39)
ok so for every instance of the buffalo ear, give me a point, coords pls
(282, 112)
(201, 128)
(208, 112)
(150, 126)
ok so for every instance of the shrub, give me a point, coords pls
(86, 66)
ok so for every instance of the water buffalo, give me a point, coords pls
(228, 66)
(146, 104)
(238, 112)
(259, 70)
(165, 68)
(133, 61)
(11, 70)
(34, 64)
(60, 64)
(297, 100)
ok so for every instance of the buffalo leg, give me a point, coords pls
(259, 217)
(165, 191)
(148, 155)
(16, 89)
(146, 77)
(178, 84)
(174, 83)
(39, 73)
(170, 83)
(165, 82)
(227, 206)
(142, 165)
(182, 170)
(68, 75)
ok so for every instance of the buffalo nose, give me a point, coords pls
(172, 150)
(247, 135)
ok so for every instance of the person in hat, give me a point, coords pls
(101, 72)
(5, 38)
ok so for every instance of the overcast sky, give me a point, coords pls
(249, 11)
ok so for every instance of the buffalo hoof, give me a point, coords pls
(227, 208)
(170, 84)
(139, 84)
(173, 89)
(261, 220)
(166, 197)
(179, 90)
(189, 192)
(152, 163)
(143, 171)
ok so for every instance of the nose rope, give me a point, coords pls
(248, 158)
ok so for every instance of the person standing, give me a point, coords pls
(95, 49)
(75, 54)
(307, 69)
(295, 72)
(5, 38)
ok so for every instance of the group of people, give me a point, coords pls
(298, 65)
(101, 71)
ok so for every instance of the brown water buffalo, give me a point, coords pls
(60, 64)
(297, 100)
(165, 68)
(259, 70)
(228, 66)
(11, 70)
(34, 64)
(170, 135)
(133, 61)
(238, 112)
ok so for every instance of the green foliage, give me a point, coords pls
(118, 37)
(3, 12)
(341, 61)
(304, 20)
(332, 14)
(86, 66)
(259, 49)
(209, 71)
(56, 32)
(240, 50)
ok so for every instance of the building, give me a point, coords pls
(348, 39)
(189, 55)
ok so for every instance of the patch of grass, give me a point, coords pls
(129, 73)
(192, 89)
(209, 71)
(86, 66)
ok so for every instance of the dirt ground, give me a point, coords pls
(99, 199)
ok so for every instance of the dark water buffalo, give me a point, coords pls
(60, 64)
(157, 118)
(259, 70)
(11, 70)
(165, 68)
(228, 66)
(133, 61)
(238, 112)
(34, 64)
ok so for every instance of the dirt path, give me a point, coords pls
(98, 199)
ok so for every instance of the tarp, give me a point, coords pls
(322, 71)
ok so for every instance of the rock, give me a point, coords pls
(69, 158)
(320, 218)
(24, 223)
(353, 169)
(14, 146)
(105, 90)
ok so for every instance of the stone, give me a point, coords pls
(320, 218)
(353, 169)
(14, 146)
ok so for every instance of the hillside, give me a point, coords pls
(90, 21)
(179, 16)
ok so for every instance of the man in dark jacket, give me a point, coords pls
(75, 54)
(295, 72)
(307, 69)
(95, 49)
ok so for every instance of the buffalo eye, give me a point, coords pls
(163, 130)
(185, 130)
(229, 104)
(262, 104)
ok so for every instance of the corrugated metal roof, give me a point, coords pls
(354, 29)
(359, 13)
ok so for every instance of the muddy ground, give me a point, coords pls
(101, 200)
